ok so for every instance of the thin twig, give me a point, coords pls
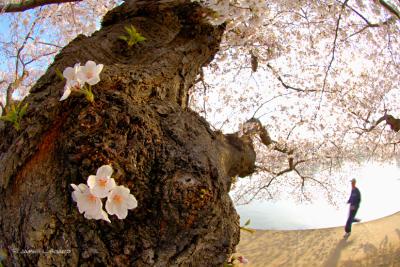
(36, 58)
(285, 84)
(45, 43)
(333, 53)
(19, 78)
(269, 100)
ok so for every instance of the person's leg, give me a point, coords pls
(352, 214)
(354, 218)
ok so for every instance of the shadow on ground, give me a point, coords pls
(334, 256)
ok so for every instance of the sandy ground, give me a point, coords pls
(375, 244)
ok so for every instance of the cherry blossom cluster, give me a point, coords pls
(78, 76)
(101, 185)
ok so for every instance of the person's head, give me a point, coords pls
(353, 183)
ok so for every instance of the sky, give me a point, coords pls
(4, 24)
(379, 186)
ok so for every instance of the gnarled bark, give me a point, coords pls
(179, 170)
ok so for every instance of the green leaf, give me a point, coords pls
(123, 37)
(4, 118)
(23, 110)
(15, 114)
(247, 222)
(133, 37)
(140, 38)
(127, 29)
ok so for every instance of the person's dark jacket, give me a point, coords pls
(355, 197)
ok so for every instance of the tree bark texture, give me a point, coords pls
(176, 166)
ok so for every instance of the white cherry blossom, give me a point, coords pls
(90, 73)
(72, 81)
(101, 183)
(119, 201)
(77, 77)
(71, 73)
(87, 203)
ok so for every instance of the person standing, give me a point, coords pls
(354, 201)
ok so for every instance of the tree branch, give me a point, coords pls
(369, 24)
(18, 78)
(285, 84)
(363, 17)
(38, 57)
(29, 4)
(45, 43)
(11, 88)
(391, 8)
(2, 108)
(291, 168)
(333, 51)
(393, 122)
(254, 126)
(267, 101)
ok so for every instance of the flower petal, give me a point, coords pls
(90, 64)
(83, 187)
(105, 216)
(111, 184)
(131, 202)
(100, 192)
(104, 171)
(75, 194)
(82, 205)
(66, 94)
(93, 80)
(91, 181)
(75, 187)
(69, 73)
(88, 216)
(86, 203)
(110, 207)
(78, 191)
(121, 212)
(99, 68)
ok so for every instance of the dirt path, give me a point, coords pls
(375, 243)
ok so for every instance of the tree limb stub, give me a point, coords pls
(393, 122)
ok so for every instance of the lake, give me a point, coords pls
(380, 197)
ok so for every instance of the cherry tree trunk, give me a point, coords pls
(178, 169)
